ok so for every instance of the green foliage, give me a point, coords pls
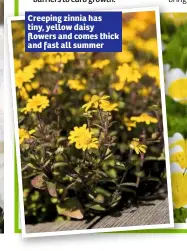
(176, 117)
(175, 41)
(180, 215)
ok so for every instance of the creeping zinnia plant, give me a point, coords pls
(90, 126)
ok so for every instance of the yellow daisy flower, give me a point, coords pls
(76, 84)
(144, 118)
(137, 146)
(108, 107)
(24, 134)
(36, 104)
(100, 64)
(95, 102)
(128, 73)
(124, 56)
(118, 86)
(82, 137)
(23, 76)
(129, 123)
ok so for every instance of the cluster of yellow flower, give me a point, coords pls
(142, 118)
(100, 102)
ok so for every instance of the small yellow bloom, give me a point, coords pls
(108, 107)
(128, 34)
(82, 137)
(151, 46)
(128, 73)
(145, 91)
(17, 64)
(138, 25)
(28, 87)
(152, 71)
(129, 123)
(144, 118)
(87, 97)
(100, 64)
(76, 84)
(118, 86)
(37, 63)
(44, 90)
(95, 102)
(24, 135)
(124, 56)
(35, 85)
(137, 146)
(36, 104)
(23, 76)
(59, 58)
(23, 93)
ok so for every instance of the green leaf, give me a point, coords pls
(72, 208)
(102, 191)
(139, 173)
(97, 207)
(128, 184)
(51, 188)
(127, 190)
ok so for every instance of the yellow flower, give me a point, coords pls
(178, 150)
(179, 186)
(128, 73)
(76, 84)
(129, 123)
(44, 90)
(23, 93)
(28, 87)
(24, 134)
(36, 104)
(37, 63)
(100, 64)
(124, 56)
(118, 86)
(23, 76)
(138, 25)
(35, 85)
(108, 107)
(87, 97)
(152, 71)
(59, 58)
(128, 34)
(148, 16)
(144, 118)
(145, 91)
(137, 146)
(17, 64)
(82, 138)
(151, 46)
(95, 102)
